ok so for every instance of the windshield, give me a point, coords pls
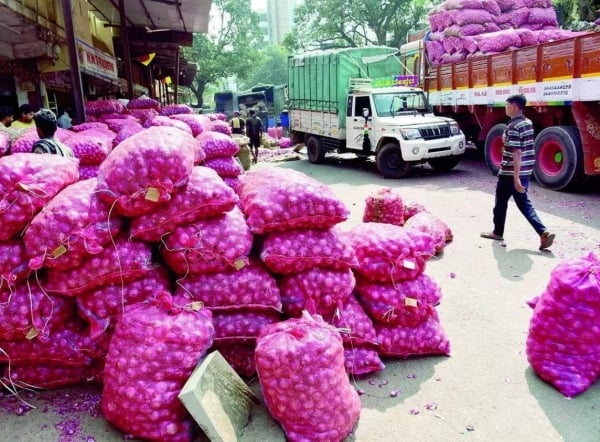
(390, 104)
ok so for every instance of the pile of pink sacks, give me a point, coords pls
(468, 28)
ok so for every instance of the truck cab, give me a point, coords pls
(397, 125)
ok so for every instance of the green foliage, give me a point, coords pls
(352, 23)
(269, 68)
(573, 14)
(230, 51)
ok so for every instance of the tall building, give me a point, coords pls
(276, 18)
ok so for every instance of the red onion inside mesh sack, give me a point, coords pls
(120, 262)
(209, 245)
(225, 166)
(469, 16)
(361, 361)
(72, 226)
(384, 206)
(389, 253)
(89, 125)
(14, 266)
(143, 103)
(160, 120)
(242, 324)
(406, 303)
(432, 225)
(146, 169)
(26, 311)
(514, 18)
(101, 307)
(298, 250)
(174, 109)
(198, 123)
(300, 364)
(104, 107)
(65, 345)
(143, 114)
(563, 344)
(427, 338)
(353, 324)
(250, 286)
(233, 182)
(543, 16)
(154, 350)
(240, 355)
(220, 126)
(216, 144)
(277, 199)
(316, 290)
(204, 195)
(27, 182)
(4, 142)
(129, 129)
(48, 376)
(498, 41)
(87, 172)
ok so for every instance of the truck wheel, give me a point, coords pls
(316, 154)
(445, 164)
(559, 158)
(493, 148)
(390, 163)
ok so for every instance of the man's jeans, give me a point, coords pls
(504, 190)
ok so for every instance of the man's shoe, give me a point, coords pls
(491, 235)
(546, 240)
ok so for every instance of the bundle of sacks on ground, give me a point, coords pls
(470, 28)
(129, 278)
(563, 344)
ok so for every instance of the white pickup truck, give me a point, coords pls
(396, 124)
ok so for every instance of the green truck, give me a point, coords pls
(354, 100)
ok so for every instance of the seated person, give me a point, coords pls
(45, 123)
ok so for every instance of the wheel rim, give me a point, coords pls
(550, 158)
(496, 151)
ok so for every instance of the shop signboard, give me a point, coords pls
(95, 62)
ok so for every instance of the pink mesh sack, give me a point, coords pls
(104, 107)
(277, 199)
(129, 129)
(209, 245)
(469, 16)
(361, 361)
(563, 344)
(48, 376)
(89, 125)
(220, 126)
(225, 166)
(175, 109)
(103, 306)
(354, 324)
(204, 195)
(74, 225)
(242, 324)
(300, 364)
(4, 142)
(384, 206)
(249, 286)
(240, 355)
(160, 120)
(389, 253)
(120, 262)
(27, 182)
(543, 16)
(87, 172)
(145, 170)
(216, 144)
(198, 123)
(432, 225)
(316, 290)
(427, 338)
(26, 312)
(14, 263)
(153, 352)
(406, 303)
(143, 103)
(298, 250)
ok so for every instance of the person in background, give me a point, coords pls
(25, 120)
(254, 131)
(518, 158)
(65, 121)
(237, 124)
(45, 123)
(6, 117)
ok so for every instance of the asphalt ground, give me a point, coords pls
(484, 391)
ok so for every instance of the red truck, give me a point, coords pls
(561, 80)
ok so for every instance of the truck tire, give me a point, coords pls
(315, 152)
(559, 158)
(444, 164)
(390, 163)
(493, 148)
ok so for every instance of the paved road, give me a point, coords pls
(485, 391)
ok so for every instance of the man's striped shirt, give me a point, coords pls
(518, 135)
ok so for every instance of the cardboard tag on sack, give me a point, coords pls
(152, 194)
(59, 251)
(409, 264)
(411, 302)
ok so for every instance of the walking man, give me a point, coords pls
(518, 158)
(254, 130)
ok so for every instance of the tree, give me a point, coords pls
(270, 68)
(351, 23)
(573, 12)
(231, 51)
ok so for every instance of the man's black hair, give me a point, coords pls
(518, 99)
(251, 112)
(25, 109)
(5, 111)
(45, 120)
